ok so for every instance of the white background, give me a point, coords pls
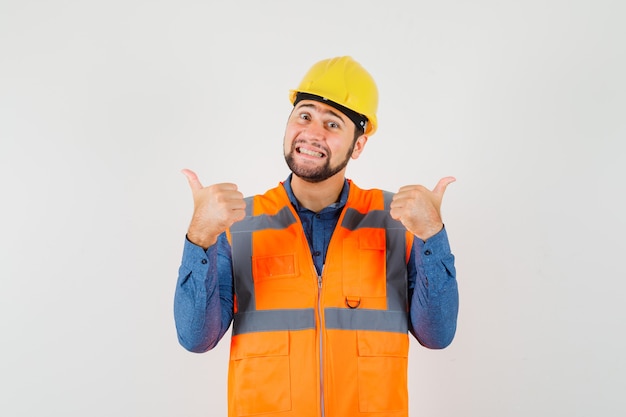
(102, 103)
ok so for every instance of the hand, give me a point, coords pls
(419, 209)
(216, 208)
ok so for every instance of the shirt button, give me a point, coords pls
(204, 261)
(317, 253)
(427, 252)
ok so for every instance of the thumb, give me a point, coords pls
(441, 186)
(194, 182)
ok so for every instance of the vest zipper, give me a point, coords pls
(321, 333)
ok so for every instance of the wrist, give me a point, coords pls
(204, 240)
(429, 232)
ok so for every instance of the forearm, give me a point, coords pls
(434, 296)
(203, 301)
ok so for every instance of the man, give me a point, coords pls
(322, 280)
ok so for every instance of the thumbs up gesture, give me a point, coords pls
(419, 209)
(216, 208)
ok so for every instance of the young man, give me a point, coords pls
(321, 279)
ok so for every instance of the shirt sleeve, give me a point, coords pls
(203, 301)
(433, 292)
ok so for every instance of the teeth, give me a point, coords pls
(309, 152)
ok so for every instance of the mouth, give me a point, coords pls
(310, 152)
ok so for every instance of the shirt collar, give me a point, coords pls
(343, 196)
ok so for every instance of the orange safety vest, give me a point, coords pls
(334, 345)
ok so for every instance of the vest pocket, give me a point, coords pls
(260, 374)
(364, 259)
(382, 371)
(274, 266)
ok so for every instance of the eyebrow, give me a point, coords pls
(332, 112)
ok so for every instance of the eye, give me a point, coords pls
(305, 116)
(333, 125)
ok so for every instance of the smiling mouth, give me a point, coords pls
(310, 152)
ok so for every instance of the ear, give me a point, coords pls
(358, 146)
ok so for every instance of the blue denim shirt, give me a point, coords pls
(318, 227)
(203, 301)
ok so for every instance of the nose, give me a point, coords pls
(315, 130)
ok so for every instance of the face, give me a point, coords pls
(319, 141)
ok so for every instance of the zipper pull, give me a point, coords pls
(319, 277)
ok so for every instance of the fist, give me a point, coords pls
(419, 209)
(216, 208)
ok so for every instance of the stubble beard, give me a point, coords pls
(315, 174)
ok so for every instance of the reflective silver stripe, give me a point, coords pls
(361, 319)
(241, 235)
(273, 320)
(354, 219)
(397, 278)
(387, 197)
(281, 220)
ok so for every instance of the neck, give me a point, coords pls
(318, 195)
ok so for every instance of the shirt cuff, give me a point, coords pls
(436, 247)
(195, 257)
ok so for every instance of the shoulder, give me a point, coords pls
(374, 198)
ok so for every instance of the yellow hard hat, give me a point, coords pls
(343, 81)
